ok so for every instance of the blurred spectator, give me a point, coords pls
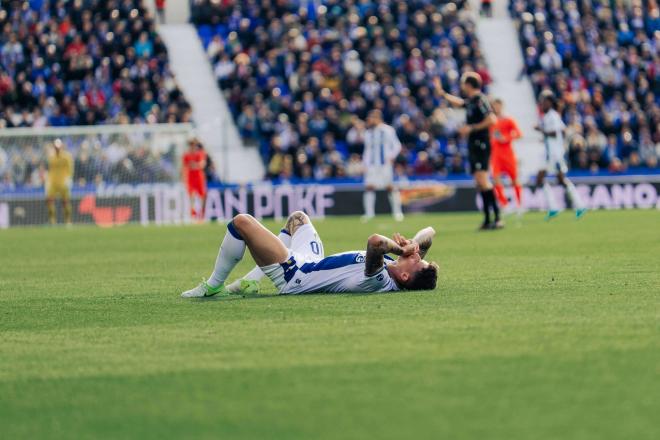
(160, 10)
(423, 165)
(292, 74)
(601, 57)
(487, 8)
(84, 62)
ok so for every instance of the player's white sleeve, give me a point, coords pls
(560, 122)
(552, 123)
(378, 282)
(366, 155)
(394, 144)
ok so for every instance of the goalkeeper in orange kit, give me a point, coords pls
(503, 159)
(59, 181)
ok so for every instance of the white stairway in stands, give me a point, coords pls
(499, 43)
(234, 161)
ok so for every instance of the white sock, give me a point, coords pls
(369, 201)
(395, 202)
(256, 273)
(573, 194)
(549, 197)
(231, 252)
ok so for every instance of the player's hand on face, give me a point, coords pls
(410, 249)
(400, 239)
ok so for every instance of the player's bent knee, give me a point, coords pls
(300, 216)
(242, 221)
(295, 221)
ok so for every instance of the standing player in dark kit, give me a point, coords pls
(480, 117)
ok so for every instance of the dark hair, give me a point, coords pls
(473, 79)
(376, 113)
(547, 94)
(425, 279)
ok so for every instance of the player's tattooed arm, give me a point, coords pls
(378, 246)
(425, 239)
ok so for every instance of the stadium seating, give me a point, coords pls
(62, 64)
(300, 79)
(83, 63)
(601, 59)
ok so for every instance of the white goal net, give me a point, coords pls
(117, 173)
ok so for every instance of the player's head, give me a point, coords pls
(374, 118)
(413, 273)
(192, 144)
(470, 83)
(58, 145)
(547, 100)
(498, 105)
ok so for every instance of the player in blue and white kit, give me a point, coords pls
(381, 146)
(302, 268)
(552, 128)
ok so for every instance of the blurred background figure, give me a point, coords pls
(381, 147)
(503, 159)
(59, 181)
(194, 177)
(160, 10)
(552, 128)
(487, 8)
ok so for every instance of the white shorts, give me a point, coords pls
(555, 162)
(306, 247)
(379, 176)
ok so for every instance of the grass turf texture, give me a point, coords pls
(543, 331)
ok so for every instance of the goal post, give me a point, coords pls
(114, 167)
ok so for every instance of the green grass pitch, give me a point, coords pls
(546, 331)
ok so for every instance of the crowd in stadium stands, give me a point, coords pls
(84, 62)
(300, 78)
(601, 59)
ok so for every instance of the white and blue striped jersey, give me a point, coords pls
(337, 273)
(381, 145)
(551, 122)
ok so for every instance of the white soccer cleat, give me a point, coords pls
(202, 290)
(398, 217)
(234, 287)
(366, 218)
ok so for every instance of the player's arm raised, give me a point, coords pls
(424, 239)
(456, 101)
(378, 246)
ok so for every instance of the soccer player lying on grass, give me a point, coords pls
(302, 268)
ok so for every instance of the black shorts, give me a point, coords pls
(478, 155)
